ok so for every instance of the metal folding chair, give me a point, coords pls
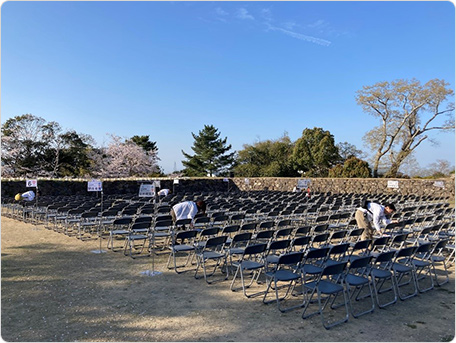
(249, 266)
(213, 251)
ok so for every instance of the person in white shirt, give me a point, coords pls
(163, 192)
(187, 210)
(27, 196)
(371, 218)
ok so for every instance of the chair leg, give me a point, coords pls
(356, 294)
(321, 309)
(436, 276)
(412, 280)
(378, 291)
(427, 275)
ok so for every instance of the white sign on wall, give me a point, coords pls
(303, 183)
(31, 183)
(439, 184)
(147, 190)
(393, 184)
(94, 186)
(176, 181)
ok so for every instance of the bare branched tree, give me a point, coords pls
(408, 111)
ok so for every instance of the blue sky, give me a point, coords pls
(254, 70)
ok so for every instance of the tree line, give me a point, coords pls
(407, 111)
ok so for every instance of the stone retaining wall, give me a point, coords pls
(417, 187)
(362, 186)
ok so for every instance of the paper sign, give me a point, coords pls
(393, 184)
(439, 184)
(94, 186)
(303, 183)
(147, 190)
(176, 181)
(31, 183)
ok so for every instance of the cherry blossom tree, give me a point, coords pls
(124, 158)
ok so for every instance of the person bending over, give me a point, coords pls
(371, 218)
(187, 210)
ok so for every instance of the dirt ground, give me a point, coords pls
(55, 289)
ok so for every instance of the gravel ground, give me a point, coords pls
(55, 289)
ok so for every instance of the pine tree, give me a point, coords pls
(209, 158)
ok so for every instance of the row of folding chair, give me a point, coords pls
(327, 273)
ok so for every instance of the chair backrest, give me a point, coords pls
(184, 235)
(185, 221)
(279, 245)
(339, 249)
(423, 248)
(265, 234)
(283, 232)
(334, 269)
(248, 226)
(242, 237)
(362, 245)
(202, 220)
(361, 262)
(321, 228)
(163, 217)
(122, 221)
(220, 219)
(215, 242)
(406, 252)
(291, 258)
(303, 230)
(163, 223)
(323, 237)
(385, 257)
(439, 245)
(317, 253)
(255, 249)
(398, 239)
(355, 233)
(266, 225)
(230, 229)
(209, 231)
(301, 241)
(239, 216)
(338, 234)
(147, 219)
(380, 241)
(140, 225)
(284, 222)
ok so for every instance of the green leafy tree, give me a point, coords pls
(211, 157)
(266, 158)
(145, 143)
(352, 168)
(315, 152)
(408, 111)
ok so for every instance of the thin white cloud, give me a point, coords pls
(300, 36)
(266, 14)
(320, 23)
(221, 11)
(244, 14)
(221, 14)
(290, 25)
